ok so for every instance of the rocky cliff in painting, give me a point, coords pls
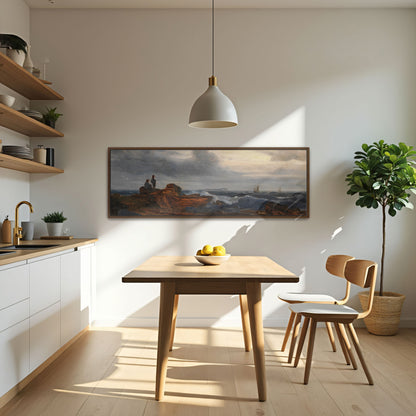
(157, 202)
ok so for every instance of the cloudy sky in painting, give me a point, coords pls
(196, 169)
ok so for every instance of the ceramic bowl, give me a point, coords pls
(7, 100)
(213, 260)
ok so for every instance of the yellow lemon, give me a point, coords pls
(199, 253)
(207, 250)
(218, 251)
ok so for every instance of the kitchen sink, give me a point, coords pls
(29, 246)
(5, 252)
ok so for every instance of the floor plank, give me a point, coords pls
(111, 372)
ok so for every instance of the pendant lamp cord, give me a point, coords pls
(212, 35)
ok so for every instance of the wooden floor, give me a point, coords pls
(111, 371)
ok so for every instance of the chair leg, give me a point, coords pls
(331, 336)
(341, 342)
(347, 345)
(288, 329)
(359, 353)
(301, 340)
(295, 334)
(310, 351)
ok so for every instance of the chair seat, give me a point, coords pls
(324, 311)
(306, 297)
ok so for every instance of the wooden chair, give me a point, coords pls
(335, 265)
(359, 272)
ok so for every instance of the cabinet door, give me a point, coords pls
(14, 285)
(14, 355)
(44, 335)
(70, 296)
(86, 283)
(44, 283)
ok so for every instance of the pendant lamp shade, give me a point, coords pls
(213, 109)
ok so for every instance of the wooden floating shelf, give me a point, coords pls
(18, 79)
(24, 165)
(17, 121)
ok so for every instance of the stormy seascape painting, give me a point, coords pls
(208, 182)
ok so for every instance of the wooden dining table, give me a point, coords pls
(183, 275)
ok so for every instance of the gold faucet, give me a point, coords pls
(17, 231)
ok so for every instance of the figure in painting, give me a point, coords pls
(153, 180)
(147, 185)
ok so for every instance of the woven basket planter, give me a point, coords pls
(384, 318)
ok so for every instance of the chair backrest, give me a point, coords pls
(335, 265)
(363, 273)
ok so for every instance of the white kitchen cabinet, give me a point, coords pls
(14, 325)
(70, 295)
(14, 353)
(87, 258)
(44, 303)
(45, 283)
(45, 335)
(14, 285)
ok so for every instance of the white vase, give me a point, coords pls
(28, 64)
(16, 56)
(54, 228)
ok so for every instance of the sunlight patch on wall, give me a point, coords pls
(288, 131)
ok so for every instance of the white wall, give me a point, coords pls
(327, 79)
(14, 186)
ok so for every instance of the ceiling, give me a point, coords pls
(226, 4)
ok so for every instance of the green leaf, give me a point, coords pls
(403, 147)
(357, 181)
(392, 211)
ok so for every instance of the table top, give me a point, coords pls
(168, 268)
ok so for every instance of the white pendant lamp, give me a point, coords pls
(213, 109)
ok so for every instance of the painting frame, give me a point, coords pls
(272, 214)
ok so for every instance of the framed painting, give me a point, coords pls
(208, 182)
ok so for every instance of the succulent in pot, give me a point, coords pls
(16, 47)
(51, 116)
(54, 222)
(384, 177)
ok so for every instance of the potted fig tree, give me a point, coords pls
(54, 222)
(383, 177)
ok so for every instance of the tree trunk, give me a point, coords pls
(383, 251)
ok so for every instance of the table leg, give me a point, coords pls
(175, 313)
(257, 337)
(245, 322)
(167, 300)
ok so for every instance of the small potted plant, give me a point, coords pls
(54, 222)
(51, 116)
(383, 177)
(16, 47)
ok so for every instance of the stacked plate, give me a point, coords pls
(23, 152)
(32, 114)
